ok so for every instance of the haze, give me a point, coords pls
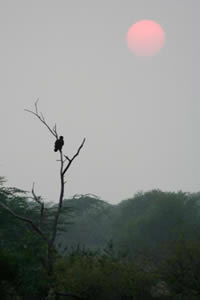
(140, 116)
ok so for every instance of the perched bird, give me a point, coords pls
(59, 144)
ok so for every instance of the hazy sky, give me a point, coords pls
(140, 116)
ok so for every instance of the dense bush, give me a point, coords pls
(95, 276)
(181, 270)
(8, 276)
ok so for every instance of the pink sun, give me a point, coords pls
(145, 38)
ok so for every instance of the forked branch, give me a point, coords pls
(42, 119)
(70, 160)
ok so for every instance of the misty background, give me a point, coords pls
(140, 116)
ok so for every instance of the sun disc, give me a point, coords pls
(145, 38)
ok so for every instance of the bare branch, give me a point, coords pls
(79, 149)
(67, 157)
(36, 109)
(42, 119)
(75, 155)
(37, 199)
(55, 130)
(35, 227)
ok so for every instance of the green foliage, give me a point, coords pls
(181, 269)
(157, 218)
(147, 222)
(127, 251)
(95, 276)
(8, 275)
(89, 217)
(23, 250)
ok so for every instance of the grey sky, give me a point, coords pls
(140, 116)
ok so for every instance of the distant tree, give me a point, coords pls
(153, 220)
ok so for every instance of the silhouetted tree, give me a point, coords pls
(65, 163)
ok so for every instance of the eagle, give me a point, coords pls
(59, 144)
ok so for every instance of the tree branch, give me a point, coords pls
(35, 228)
(75, 155)
(42, 119)
(37, 199)
(62, 175)
(63, 170)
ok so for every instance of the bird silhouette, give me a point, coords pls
(59, 144)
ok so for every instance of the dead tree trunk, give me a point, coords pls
(65, 163)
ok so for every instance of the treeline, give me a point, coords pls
(146, 247)
(149, 221)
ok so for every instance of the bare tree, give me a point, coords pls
(65, 163)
